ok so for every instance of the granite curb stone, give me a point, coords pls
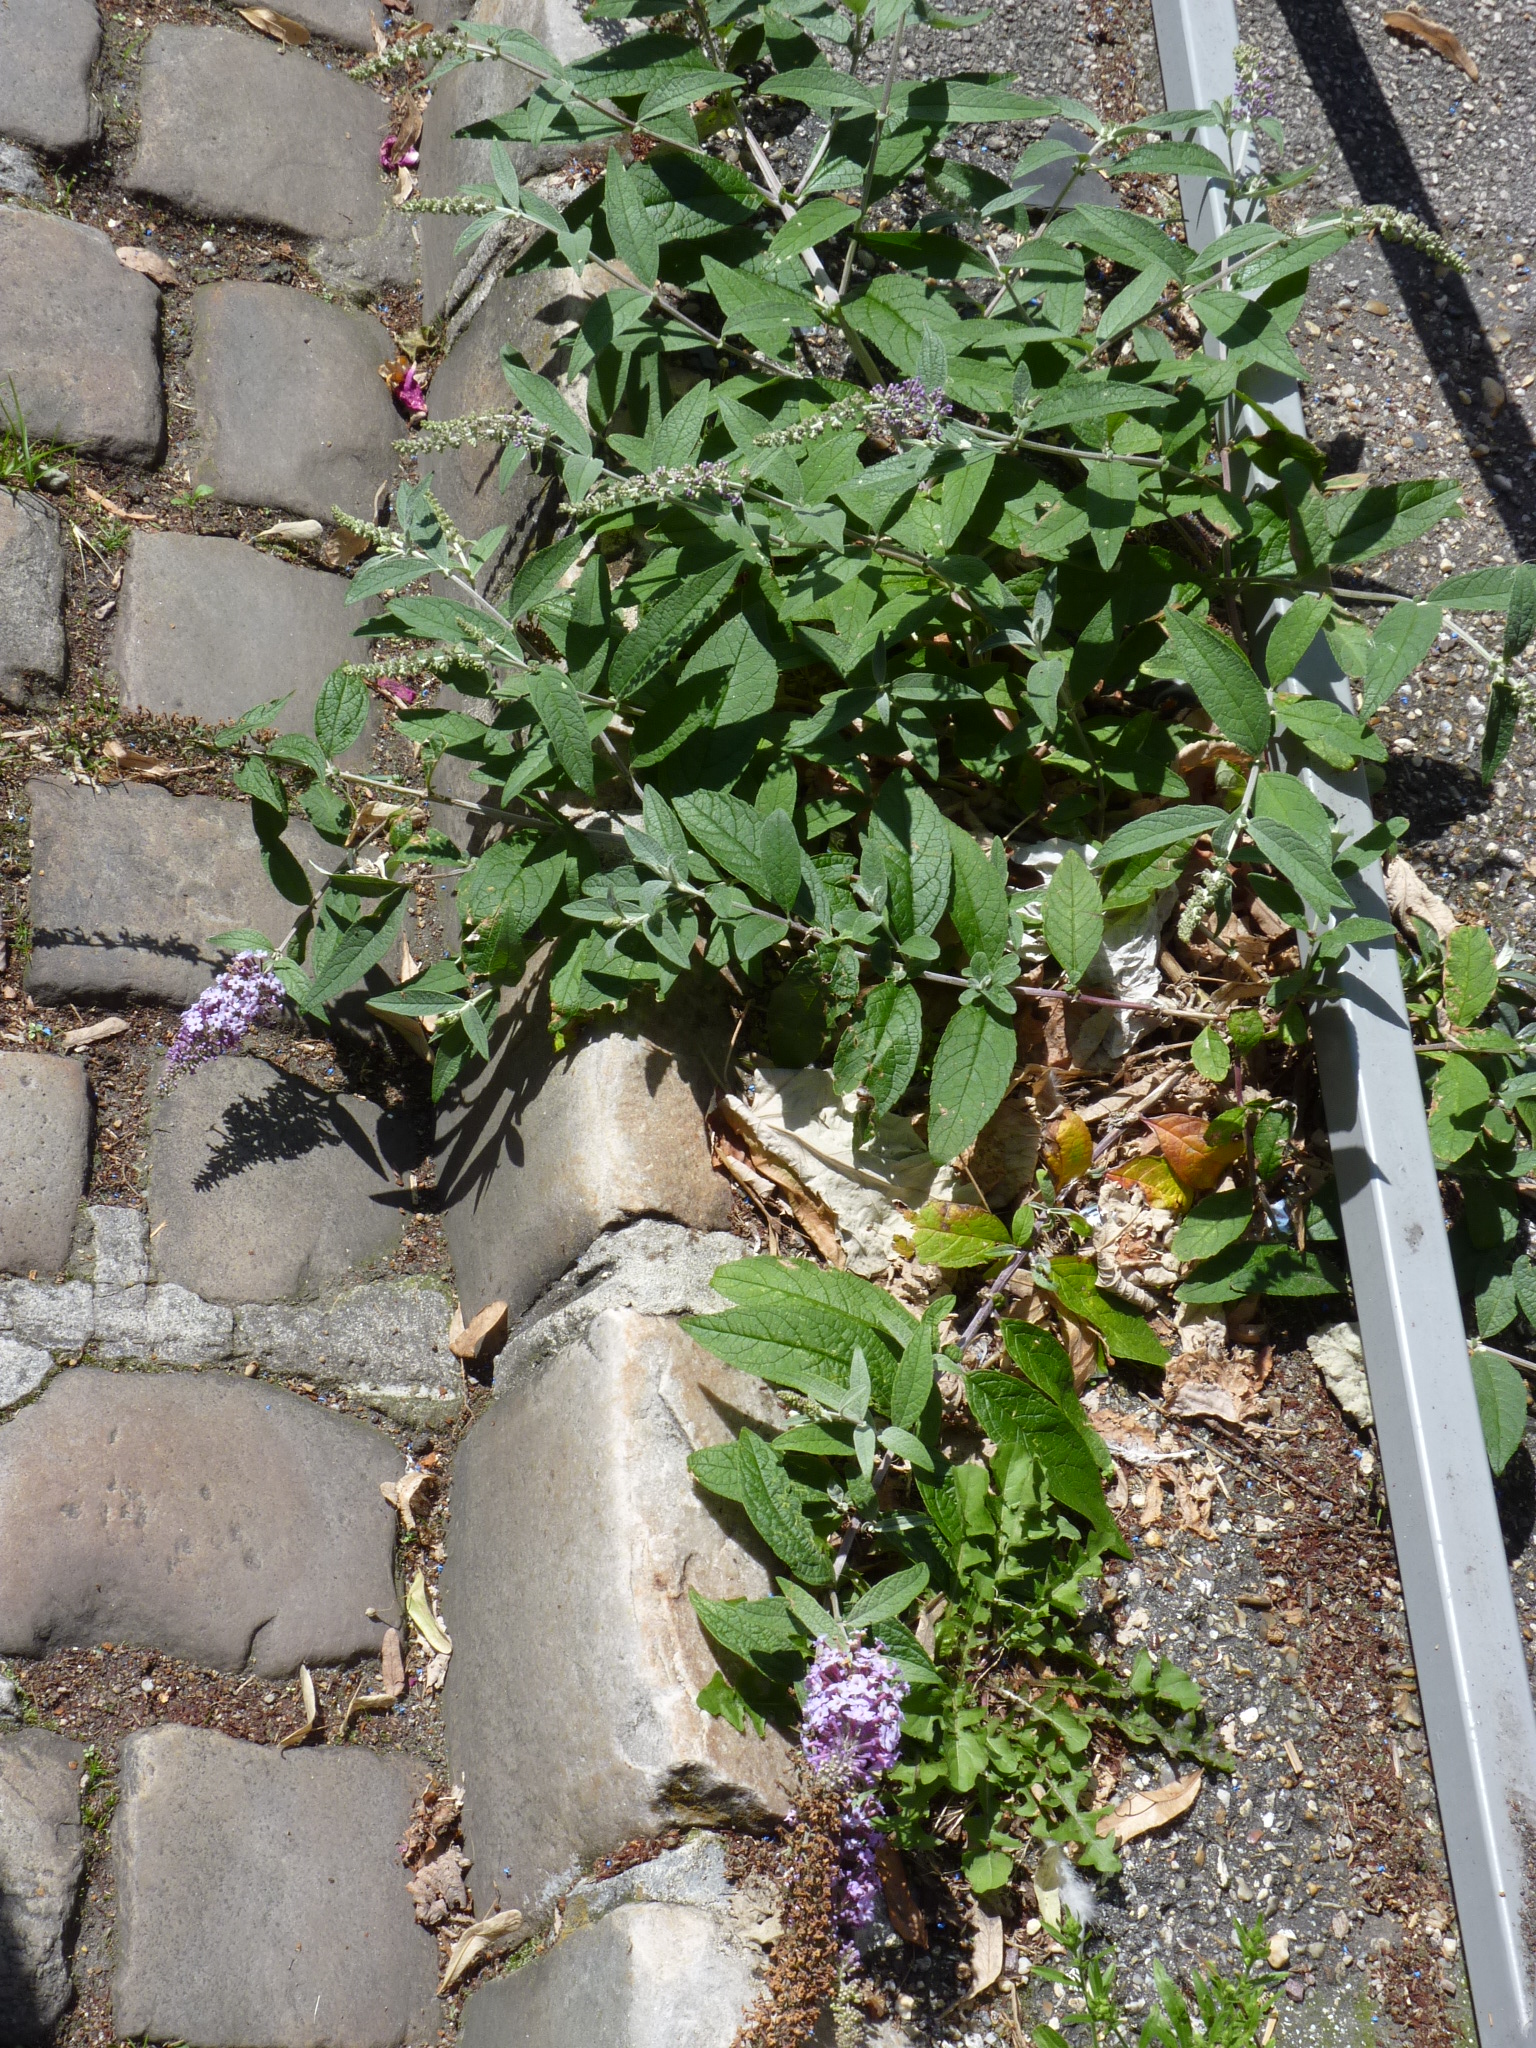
(232, 127)
(33, 656)
(203, 1516)
(42, 1854)
(541, 1151)
(291, 409)
(23, 1369)
(130, 883)
(263, 1188)
(45, 1155)
(207, 628)
(578, 1527)
(647, 1976)
(48, 52)
(655, 1268)
(80, 337)
(261, 1896)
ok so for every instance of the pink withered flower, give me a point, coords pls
(409, 395)
(247, 993)
(850, 1735)
(393, 158)
(392, 686)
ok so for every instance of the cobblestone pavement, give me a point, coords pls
(226, 1326)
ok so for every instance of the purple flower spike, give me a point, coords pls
(850, 1734)
(247, 993)
(906, 412)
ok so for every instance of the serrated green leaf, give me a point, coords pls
(671, 620)
(749, 1629)
(559, 708)
(1299, 861)
(1212, 1225)
(1294, 632)
(776, 1514)
(1210, 1055)
(341, 712)
(1501, 1406)
(1471, 975)
(1216, 669)
(1072, 916)
(1179, 825)
(889, 1599)
(971, 1072)
(1398, 645)
(879, 1050)
(359, 947)
(1012, 1412)
(945, 1234)
(1520, 621)
(1126, 1335)
(634, 239)
(979, 902)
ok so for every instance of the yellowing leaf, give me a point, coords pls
(1155, 1179)
(1140, 1812)
(986, 1953)
(1068, 1150)
(423, 1620)
(1196, 1165)
(948, 1235)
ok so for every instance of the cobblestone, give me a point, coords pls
(45, 1134)
(41, 1856)
(33, 657)
(48, 52)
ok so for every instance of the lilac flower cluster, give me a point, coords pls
(850, 1734)
(1253, 98)
(247, 993)
(906, 412)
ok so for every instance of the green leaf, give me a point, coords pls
(912, 836)
(341, 712)
(298, 746)
(1293, 633)
(1072, 916)
(1471, 975)
(1212, 1225)
(912, 1388)
(1398, 645)
(1501, 1405)
(817, 221)
(971, 1072)
(778, 854)
(979, 904)
(1520, 622)
(721, 1699)
(749, 1629)
(539, 397)
(987, 1870)
(889, 1599)
(1499, 729)
(1264, 1269)
(358, 948)
(729, 832)
(1299, 861)
(879, 1050)
(1371, 522)
(559, 708)
(668, 623)
(1216, 669)
(1179, 825)
(255, 779)
(774, 1508)
(1012, 1412)
(1126, 1336)
(634, 239)
(1210, 1055)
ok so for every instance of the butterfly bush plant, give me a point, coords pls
(895, 526)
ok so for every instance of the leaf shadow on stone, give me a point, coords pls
(61, 939)
(289, 1120)
(1432, 793)
(1514, 1490)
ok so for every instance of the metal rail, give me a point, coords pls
(1472, 1678)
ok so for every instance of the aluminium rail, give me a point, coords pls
(1470, 1663)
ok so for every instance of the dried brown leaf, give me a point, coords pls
(438, 1888)
(311, 1711)
(149, 263)
(986, 1953)
(1140, 1812)
(1433, 35)
(484, 1336)
(903, 1911)
(480, 1940)
(93, 1034)
(281, 27)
